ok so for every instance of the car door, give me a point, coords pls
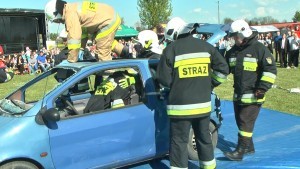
(106, 138)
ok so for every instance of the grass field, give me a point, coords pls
(277, 99)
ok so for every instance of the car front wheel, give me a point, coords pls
(192, 149)
(19, 165)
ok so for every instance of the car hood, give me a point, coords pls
(4, 121)
(217, 30)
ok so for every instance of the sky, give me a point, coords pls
(201, 11)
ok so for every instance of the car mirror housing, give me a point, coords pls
(51, 115)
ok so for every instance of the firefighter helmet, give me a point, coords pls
(51, 11)
(148, 38)
(173, 28)
(240, 28)
(149, 41)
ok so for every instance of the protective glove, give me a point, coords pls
(259, 93)
(80, 54)
(124, 83)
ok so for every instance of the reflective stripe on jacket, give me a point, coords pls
(83, 18)
(190, 67)
(253, 67)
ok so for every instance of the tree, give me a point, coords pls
(53, 36)
(296, 17)
(227, 20)
(139, 27)
(154, 12)
(263, 20)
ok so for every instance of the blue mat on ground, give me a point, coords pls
(276, 139)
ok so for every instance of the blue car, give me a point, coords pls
(43, 123)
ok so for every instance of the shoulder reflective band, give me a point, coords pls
(192, 58)
(268, 77)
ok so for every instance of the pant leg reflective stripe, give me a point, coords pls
(245, 134)
(74, 44)
(109, 28)
(177, 168)
(208, 164)
(117, 103)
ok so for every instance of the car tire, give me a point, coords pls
(192, 150)
(19, 165)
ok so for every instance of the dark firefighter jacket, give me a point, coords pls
(108, 91)
(190, 67)
(253, 67)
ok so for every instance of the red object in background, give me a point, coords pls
(1, 50)
(2, 64)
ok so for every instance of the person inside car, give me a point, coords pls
(113, 92)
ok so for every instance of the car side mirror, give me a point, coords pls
(51, 115)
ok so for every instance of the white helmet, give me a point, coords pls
(240, 28)
(174, 28)
(149, 40)
(51, 11)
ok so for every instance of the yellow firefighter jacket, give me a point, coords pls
(86, 17)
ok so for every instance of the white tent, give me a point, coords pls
(265, 28)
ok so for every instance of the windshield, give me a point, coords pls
(35, 90)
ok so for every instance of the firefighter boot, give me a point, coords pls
(238, 153)
(250, 149)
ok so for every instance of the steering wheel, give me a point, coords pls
(66, 101)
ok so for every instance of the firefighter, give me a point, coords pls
(5, 75)
(190, 68)
(83, 18)
(84, 54)
(112, 92)
(148, 39)
(254, 71)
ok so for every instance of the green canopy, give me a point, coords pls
(126, 31)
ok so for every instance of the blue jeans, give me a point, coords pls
(44, 66)
(33, 68)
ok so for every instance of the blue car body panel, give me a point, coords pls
(23, 138)
(217, 30)
(105, 139)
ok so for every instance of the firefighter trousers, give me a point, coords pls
(245, 117)
(180, 130)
